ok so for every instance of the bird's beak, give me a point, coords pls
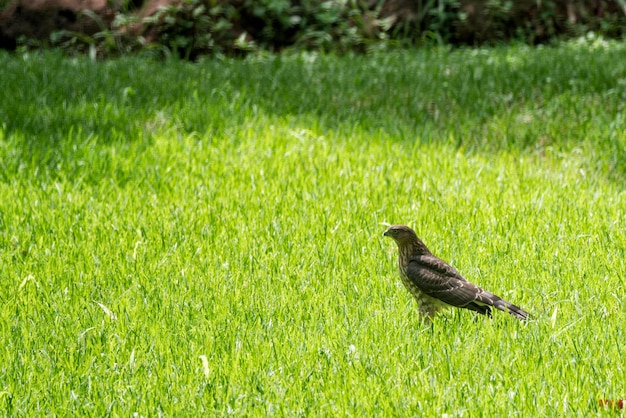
(386, 233)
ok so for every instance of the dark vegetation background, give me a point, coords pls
(190, 28)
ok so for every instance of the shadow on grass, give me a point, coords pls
(494, 100)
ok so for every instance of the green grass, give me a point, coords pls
(154, 213)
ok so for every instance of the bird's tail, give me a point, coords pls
(514, 310)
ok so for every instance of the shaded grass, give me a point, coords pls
(233, 210)
(503, 99)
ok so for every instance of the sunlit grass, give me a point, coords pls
(188, 239)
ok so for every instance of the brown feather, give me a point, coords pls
(435, 284)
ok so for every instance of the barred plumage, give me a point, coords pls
(436, 285)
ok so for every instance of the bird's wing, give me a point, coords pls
(438, 279)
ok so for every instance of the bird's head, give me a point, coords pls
(406, 238)
(400, 233)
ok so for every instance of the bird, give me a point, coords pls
(436, 285)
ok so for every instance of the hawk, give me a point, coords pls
(436, 285)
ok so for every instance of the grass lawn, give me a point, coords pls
(205, 239)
